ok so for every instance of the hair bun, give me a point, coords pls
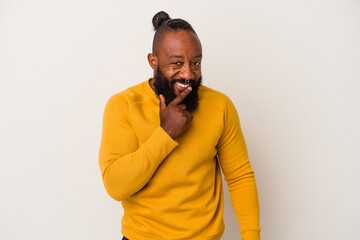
(159, 19)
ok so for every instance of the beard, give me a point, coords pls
(165, 87)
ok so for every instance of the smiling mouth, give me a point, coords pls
(184, 83)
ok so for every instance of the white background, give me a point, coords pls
(292, 68)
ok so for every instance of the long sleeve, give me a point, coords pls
(126, 165)
(239, 175)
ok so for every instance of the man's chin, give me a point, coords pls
(177, 93)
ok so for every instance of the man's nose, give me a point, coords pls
(186, 72)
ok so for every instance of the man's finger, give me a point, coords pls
(181, 96)
(181, 107)
(162, 102)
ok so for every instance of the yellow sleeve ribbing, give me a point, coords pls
(239, 175)
(125, 166)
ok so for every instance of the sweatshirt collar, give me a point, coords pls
(150, 92)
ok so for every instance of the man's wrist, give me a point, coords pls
(168, 132)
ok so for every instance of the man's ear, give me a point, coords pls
(153, 61)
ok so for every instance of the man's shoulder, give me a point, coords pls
(135, 93)
(212, 96)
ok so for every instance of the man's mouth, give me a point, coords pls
(184, 83)
(181, 84)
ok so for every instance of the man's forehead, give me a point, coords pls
(176, 44)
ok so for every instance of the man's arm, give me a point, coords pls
(125, 166)
(239, 175)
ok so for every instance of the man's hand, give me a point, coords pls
(174, 118)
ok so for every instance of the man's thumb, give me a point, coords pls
(162, 102)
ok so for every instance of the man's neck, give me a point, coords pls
(151, 82)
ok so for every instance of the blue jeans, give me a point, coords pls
(124, 238)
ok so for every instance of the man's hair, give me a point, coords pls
(163, 23)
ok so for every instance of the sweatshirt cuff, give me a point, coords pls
(250, 235)
(160, 144)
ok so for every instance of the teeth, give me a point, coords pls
(183, 85)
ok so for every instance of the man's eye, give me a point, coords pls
(196, 63)
(176, 63)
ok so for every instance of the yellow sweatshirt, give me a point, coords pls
(172, 189)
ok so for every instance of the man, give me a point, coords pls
(163, 143)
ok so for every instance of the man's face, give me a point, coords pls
(177, 65)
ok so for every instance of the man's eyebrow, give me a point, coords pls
(175, 56)
(178, 56)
